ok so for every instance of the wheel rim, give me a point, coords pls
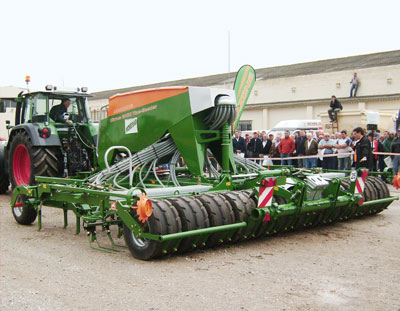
(18, 209)
(142, 243)
(21, 165)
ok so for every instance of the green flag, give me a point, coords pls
(244, 82)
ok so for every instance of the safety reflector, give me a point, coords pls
(266, 192)
(360, 184)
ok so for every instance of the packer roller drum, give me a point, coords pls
(186, 213)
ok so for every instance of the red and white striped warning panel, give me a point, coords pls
(360, 184)
(266, 192)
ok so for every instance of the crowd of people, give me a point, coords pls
(346, 149)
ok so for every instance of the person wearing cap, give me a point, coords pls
(395, 148)
(362, 149)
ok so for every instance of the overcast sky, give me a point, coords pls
(114, 44)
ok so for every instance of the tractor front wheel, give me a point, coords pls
(22, 212)
(27, 161)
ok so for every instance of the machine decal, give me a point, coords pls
(131, 126)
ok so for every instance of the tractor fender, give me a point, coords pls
(33, 131)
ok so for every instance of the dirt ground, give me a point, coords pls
(353, 265)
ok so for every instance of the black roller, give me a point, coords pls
(193, 216)
(242, 204)
(164, 220)
(219, 212)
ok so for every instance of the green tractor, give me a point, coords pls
(53, 136)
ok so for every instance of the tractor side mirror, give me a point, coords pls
(8, 122)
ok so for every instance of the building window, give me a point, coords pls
(245, 126)
(7, 103)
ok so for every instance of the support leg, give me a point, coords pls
(78, 225)
(65, 218)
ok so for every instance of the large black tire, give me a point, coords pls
(242, 205)
(4, 182)
(193, 216)
(164, 220)
(24, 214)
(219, 212)
(25, 161)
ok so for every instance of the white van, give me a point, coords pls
(295, 126)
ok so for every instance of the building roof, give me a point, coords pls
(321, 66)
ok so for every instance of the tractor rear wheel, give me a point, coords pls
(22, 212)
(4, 183)
(27, 161)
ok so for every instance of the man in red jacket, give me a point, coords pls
(286, 148)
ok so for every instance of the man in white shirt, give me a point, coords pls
(326, 145)
(343, 146)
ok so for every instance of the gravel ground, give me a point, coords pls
(353, 265)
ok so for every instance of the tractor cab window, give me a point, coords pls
(39, 108)
(76, 110)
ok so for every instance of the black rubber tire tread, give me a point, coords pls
(345, 184)
(370, 194)
(193, 216)
(380, 186)
(382, 190)
(28, 213)
(242, 205)
(4, 182)
(386, 191)
(219, 212)
(45, 161)
(164, 220)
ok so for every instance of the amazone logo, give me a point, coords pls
(131, 126)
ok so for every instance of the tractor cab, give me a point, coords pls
(37, 107)
(52, 136)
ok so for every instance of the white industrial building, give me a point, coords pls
(303, 91)
(299, 91)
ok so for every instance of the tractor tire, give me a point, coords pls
(27, 161)
(4, 183)
(24, 215)
(164, 220)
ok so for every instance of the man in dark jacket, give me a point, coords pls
(57, 112)
(335, 106)
(238, 143)
(395, 148)
(362, 149)
(310, 148)
(254, 147)
(300, 148)
(266, 145)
